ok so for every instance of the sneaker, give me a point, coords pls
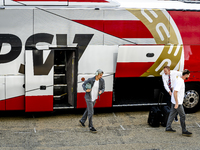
(187, 133)
(81, 123)
(92, 129)
(170, 130)
(176, 119)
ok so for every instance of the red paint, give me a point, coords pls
(2, 105)
(194, 76)
(188, 25)
(119, 28)
(192, 61)
(132, 69)
(39, 103)
(91, 1)
(192, 57)
(105, 100)
(16, 103)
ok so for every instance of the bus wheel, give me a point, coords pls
(191, 100)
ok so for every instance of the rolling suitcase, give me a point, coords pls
(155, 114)
(164, 115)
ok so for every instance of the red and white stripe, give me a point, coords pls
(133, 62)
(73, 3)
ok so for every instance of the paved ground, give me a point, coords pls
(117, 129)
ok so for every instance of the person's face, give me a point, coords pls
(187, 76)
(166, 71)
(99, 76)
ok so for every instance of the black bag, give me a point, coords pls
(164, 115)
(155, 113)
(154, 116)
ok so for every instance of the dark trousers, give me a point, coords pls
(173, 113)
(167, 99)
(89, 112)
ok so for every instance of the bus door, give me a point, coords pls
(51, 79)
(65, 77)
(39, 80)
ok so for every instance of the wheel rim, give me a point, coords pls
(191, 99)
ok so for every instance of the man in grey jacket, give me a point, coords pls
(94, 87)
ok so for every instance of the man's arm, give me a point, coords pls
(176, 99)
(84, 84)
(103, 87)
(166, 86)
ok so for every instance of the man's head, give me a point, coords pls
(167, 70)
(99, 74)
(185, 74)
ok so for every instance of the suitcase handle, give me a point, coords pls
(160, 98)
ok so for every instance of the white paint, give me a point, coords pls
(198, 125)
(122, 127)
(146, 16)
(138, 53)
(15, 85)
(34, 130)
(164, 28)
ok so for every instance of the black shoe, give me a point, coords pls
(92, 129)
(170, 130)
(82, 124)
(187, 133)
(176, 119)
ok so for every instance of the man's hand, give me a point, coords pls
(88, 90)
(176, 106)
(170, 93)
(100, 92)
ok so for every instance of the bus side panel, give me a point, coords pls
(3, 105)
(16, 103)
(2, 93)
(190, 20)
(15, 92)
(39, 103)
(39, 87)
(104, 101)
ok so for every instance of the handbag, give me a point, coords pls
(88, 86)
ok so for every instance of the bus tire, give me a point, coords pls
(191, 100)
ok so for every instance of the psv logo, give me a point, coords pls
(82, 41)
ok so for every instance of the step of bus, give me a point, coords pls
(60, 97)
(60, 79)
(59, 69)
(143, 104)
(59, 90)
(62, 106)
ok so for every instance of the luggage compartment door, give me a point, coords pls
(39, 80)
(148, 60)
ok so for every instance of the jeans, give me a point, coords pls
(173, 113)
(88, 112)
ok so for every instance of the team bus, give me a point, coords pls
(48, 48)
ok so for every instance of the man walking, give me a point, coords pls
(169, 77)
(177, 101)
(94, 87)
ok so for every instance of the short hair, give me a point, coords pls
(167, 67)
(99, 71)
(186, 71)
